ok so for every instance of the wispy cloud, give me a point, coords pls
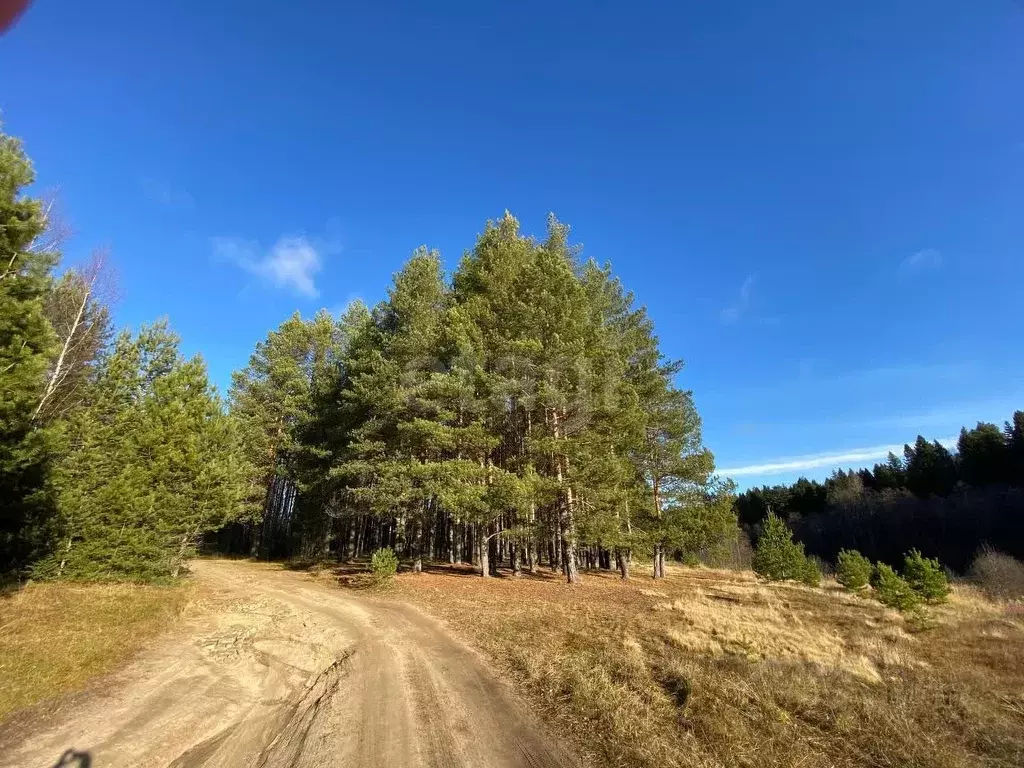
(928, 258)
(854, 457)
(292, 263)
(733, 313)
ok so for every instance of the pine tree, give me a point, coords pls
(26, 340)
(508, 418)
(195, 471)
(270, 400)
(930, 468)
(983, 455)
(152, 462)
(1013, 431)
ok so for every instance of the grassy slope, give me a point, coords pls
(56, 636)
(776, 675)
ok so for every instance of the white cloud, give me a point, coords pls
(732, 314)
(292, 263)
(928, 258)
(856, 457)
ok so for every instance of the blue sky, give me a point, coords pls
(821, 204)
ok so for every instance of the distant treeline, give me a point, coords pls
(949, 505)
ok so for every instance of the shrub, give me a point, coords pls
(384, 565)
(777, 557)
(691, 559)
(853, 570)
(926, 577)
(998, 574)
(809, 571)
(892, 590)
(773, 558)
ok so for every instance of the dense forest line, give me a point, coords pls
(116, 454)
(519, 413)
(515, 413)
(950, 505)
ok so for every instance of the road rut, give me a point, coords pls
(279, 671)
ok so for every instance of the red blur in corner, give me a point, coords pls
(10, 10)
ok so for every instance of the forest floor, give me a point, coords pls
(269, 667)
(714, 668)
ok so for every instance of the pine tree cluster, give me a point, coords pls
(519, 411)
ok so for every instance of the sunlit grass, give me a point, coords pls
(56, 636)
(713, 668)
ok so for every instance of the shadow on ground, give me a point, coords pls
(72, 758)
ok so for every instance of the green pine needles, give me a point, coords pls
(384, 565)
(779, 558)
(853, 570)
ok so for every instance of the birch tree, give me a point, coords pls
(77, 308)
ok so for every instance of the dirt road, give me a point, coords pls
(277, 670)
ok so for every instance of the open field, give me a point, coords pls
(712, 668)
(54, 637)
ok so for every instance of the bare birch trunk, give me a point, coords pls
(483, 544)
(64, 558)
(90, 276)
(182, 549)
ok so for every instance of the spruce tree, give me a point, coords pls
(26, 339)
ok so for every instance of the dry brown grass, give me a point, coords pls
(56, 636)
(713, 668)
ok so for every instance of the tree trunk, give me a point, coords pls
(180, 560)
(57, 375)
(64, 558)
(325, 543)
(514, 558)
(567, 523)
(417, 563)
(623, 559)
(531, 561)
(572, 574)
(254, 541)
(482, 546)
(492, 554)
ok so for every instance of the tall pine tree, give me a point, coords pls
(26, 340)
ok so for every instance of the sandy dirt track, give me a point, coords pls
(277, 670)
